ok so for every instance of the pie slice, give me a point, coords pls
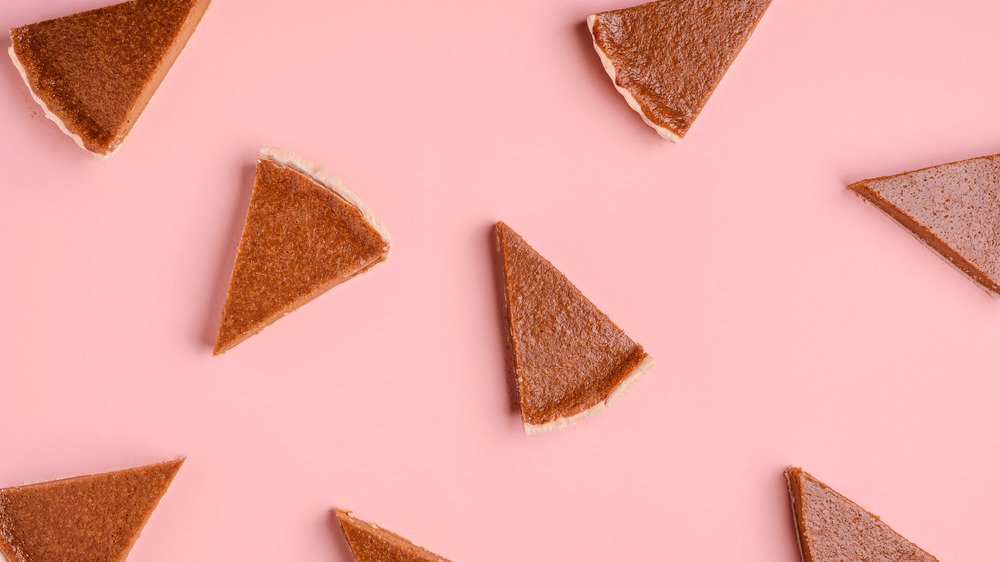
(95, 517)
(832, 528)
(954, 209)
(94, 72)
(371, 543)
(570, 359)
(667, 58)
(305, 233)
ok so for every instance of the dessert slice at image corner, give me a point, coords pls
(94, 72)
(305, 233)
(371, 543)
(97, 517)
(570, 359)
(953, 209)
(832, 528)
(666, 58)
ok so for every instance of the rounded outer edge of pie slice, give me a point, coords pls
(609, 67)
(612, 397)
(51, 117)
(331, 181)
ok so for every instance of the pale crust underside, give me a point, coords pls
(632, 102)
(612, 397)
(329, 180)
(49, 114)
(931, 248)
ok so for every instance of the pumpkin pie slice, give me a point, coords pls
(667, 58)
(832, 528)
(94, 72)
(371, 543)
(954, 209)
(570, 359)
(305, 232)
(95, 517)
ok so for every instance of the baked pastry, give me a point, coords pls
(93, 518)
(667, 58)
(305, 233)
(832, 528)
(94, 72)
(954, 209)
(371, 543)
(570, 359)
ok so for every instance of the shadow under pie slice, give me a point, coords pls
(96, 517)
(305, 233)
(94, 72)
(666, 58)
(954, 209)
(570, 359)
(371, 543)
(832, 528)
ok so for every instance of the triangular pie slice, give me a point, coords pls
(832, 528)
(954, 209)
(95, 517)
(94, 72)
(305, 232)
(371, 543)
(667, 58)
(570, 359)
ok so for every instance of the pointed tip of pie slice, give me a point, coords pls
(305, 232)
(570, 360)
(829, 526)
(98, 516)
(371, 543)
(83, 71)
(951, 209)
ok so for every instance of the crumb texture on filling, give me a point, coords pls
(568, 355)
(95, 517)
(96, 70)
(670, 56)
(953, 208)
(371, 543)
(300, 239)
(833, 528)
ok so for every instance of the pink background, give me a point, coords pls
(791, 323)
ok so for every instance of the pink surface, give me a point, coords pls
(791, 323)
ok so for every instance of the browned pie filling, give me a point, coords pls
(568, 356)
(952, 208)
(95, 517)
(371, 543)
(300, 239)
(833, 528)
(670, 56)
(95, 71)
